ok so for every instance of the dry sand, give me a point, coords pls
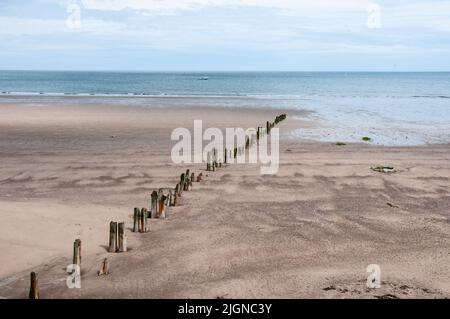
(308, 232)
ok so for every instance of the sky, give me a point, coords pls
(254, 35)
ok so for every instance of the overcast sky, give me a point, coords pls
(320, 35)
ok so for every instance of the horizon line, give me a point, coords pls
(215, 71)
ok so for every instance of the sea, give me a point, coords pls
(391, 108)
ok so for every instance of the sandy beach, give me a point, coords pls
(308, 232)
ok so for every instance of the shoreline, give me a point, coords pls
(62, 168)
(330, 121)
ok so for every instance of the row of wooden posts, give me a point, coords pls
(214, 161)
(159, 202)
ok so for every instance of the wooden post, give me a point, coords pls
(215, 164)
(186, 184)
(162, 207)
(160, 195)
(167, 201)
(123, 243)
(140, 220)
(171, 198)
(179, 190)
(146, 229)
(104, 268)
(136, 220)
(182, 181)
(77, 253)
(112, 237)
(143, 216)
(34, 287)
(175, 198)
(208, 162)
(154, 208)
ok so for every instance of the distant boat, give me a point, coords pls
(203, 78)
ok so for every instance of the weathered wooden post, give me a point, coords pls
(123, 242)
(187, 184)
(141, 221)
(175, 198)
(104, 268)
(162, 207)
(136, 220)
(167, 198)
(171, 198)
(208, 161)
(112, 237)
(154, 208)
(177, 194)
(182, 181)
(77, 253)
(160, 195)
(34, 286)
(143, 216)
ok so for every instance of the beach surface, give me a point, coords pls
(308, 232)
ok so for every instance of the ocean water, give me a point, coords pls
(391, 108)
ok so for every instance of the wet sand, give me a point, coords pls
(310, 231)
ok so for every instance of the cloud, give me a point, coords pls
(28, 26)
(234, 26)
